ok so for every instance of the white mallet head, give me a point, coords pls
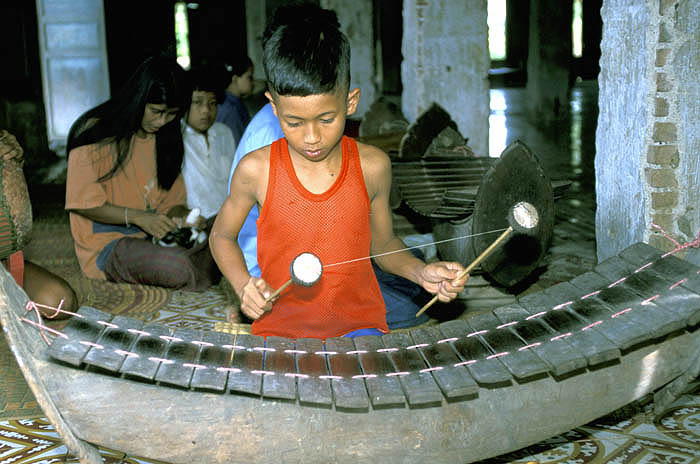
(306, 269)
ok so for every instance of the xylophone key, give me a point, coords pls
(554, 347)
(279, 358)
(473, 354)
(81, 331)
(615, 268)
(621, 333)
(505, 345)
(313, 385)
(640, 253)
(671, 268)
(455, 382)
(420, 387)
(114, 343)
(624, 308)
(384, 390)
(215, 355)
(667, 289)
(592, 344)
(180, 356)
(589, 282)
(248, 361)
(349, 390)
(646, 309)
(150, 349)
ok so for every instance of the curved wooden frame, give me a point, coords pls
(184, 426)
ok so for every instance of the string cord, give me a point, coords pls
(677, 245)
(423, 245)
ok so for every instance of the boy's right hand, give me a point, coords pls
(253, 298)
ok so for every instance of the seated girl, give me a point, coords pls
(124, 189)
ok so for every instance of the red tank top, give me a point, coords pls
(335, 227)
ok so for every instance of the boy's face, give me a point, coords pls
(313, 125)
(243, 84)
(202, 113)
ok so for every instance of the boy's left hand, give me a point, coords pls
(438, 279)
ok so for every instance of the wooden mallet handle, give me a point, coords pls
(303, 280)
(278, 291)
(474, 263)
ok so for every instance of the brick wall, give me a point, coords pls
(665, 195)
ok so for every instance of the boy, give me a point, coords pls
(318, 192)
(209, 145)
(232, 110)
(403, 298)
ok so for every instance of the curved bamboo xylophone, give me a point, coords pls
(461, 391)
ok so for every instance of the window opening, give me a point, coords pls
(577, 30)
(496, 19)
(182, 39)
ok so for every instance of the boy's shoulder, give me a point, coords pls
(373, 156)
(256, 158)
(252, 171)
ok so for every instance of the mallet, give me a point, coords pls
(305, 270)
(522, 218)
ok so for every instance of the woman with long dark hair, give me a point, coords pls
(124, 186)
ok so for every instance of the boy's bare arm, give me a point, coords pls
(437, 277)
(223, 240)
(376, 168)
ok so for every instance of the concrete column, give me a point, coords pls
(446, 61)
(647, 141)
(356, 21)
(256, 19)
(549, 60)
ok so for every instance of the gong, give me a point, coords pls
(516, 177)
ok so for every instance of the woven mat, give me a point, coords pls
(52, 247)
(16, 399)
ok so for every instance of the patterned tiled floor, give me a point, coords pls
(640, 436)
(36, 441)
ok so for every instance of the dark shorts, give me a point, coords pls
(403, 298)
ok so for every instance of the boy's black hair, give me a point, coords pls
(237, 64)
(206, 78)
(158, 80)
(307, 55)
